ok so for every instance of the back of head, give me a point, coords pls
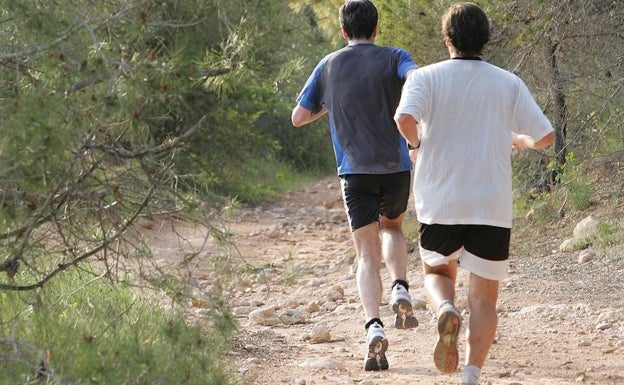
(467, 27)
(358, 18)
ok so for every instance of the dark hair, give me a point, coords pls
(358, 18)
(467, 26)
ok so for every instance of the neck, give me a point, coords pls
(453, 53)
(458, 55)
(361, 41)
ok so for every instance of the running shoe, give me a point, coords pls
(445, 355)
(376, 346)
(401, 304)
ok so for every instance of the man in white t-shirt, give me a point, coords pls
(464, 116)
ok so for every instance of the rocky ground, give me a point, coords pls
(561, 315)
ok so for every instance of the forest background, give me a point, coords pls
(113, 112)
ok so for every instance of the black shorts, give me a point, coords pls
(482, 249)
(367, 196)
(488, 242)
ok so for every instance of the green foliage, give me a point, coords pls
(415, 26)
(118, 110)
(543, 209)
(322, 17)
(91, 332)
(575, 181)
(252, 125)
(605, 125)
(264, 180)
(141, 77)
(580, 193)
(570, 186)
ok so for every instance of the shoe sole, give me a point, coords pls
(376, 357)
(445, 355)
(404, 318)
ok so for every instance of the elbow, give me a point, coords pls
(405, 123)
(401, 120)
(545, 141)
(299, 116)
(295, 120)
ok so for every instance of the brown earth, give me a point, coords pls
(560, 321)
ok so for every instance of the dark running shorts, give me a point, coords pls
(367, 196)
(484, 250)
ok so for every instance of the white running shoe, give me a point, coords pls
(401, 304)
(376, 346)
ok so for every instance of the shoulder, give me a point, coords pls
(329, 57)
(390, 50)
(431, 69)
(506, 80)
(322, 64)
(404, 61)
(395, 49)
(501, 72)
(334, 54)
(435, 66)
(400, 52)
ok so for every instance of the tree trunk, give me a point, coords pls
(560, 108)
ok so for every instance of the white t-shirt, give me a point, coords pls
(466, 111)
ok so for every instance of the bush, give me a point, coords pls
(102, 333)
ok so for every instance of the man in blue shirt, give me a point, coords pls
(359, 88)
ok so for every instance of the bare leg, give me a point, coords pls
(394, 247)
(440, 286)
(482, 298)
(368, 278)
(439, 283)
(394, 252)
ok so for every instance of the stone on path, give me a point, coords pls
(319, 334)
(291, 317)
(265, 316)
(586, 255)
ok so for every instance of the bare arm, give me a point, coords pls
(408, 127)
(521, 141)
(301, 115)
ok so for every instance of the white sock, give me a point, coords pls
(444, 303)
(471, 374)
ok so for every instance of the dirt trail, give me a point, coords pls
(560, 322)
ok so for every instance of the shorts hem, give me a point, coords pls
(492, 270)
